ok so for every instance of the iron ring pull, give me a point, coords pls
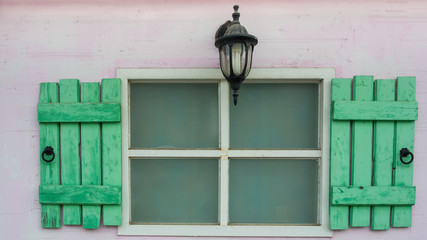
(404, 152)
(48, 151)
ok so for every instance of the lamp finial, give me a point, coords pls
(236, 14)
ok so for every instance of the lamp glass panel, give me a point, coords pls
(238, 58)
(224, 55)
(174, 115)
(273, 191)
(249, 64)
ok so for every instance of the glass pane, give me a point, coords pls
(275, 116)
(174, 115)
(174, 191)
(273, 191)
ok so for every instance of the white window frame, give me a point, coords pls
(323, 76)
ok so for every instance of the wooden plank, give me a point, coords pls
(80, 194)
(361, 151)
(79, 112)
(378, 110)
(383, 153)
(70, 140)
(373, 195)
(339, 167)
(111, 151)
(49, 171)
(405, 131)
(91, 155)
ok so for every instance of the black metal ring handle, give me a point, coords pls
(48, 151)
(404, 152)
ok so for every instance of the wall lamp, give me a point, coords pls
(235, 47)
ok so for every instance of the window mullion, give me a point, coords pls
(173, 153)
(224, 113)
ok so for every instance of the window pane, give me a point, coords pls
(275, 116)
(173, 115)
(273, 191)
(174, 191)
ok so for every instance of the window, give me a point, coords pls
(195, 165)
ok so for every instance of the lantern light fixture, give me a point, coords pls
(235, 47)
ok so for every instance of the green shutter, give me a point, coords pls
(367, 133)
(71, 117)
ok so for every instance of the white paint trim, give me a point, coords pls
(322, 76)
(224, 113)
(125, 157)
(171, 74)
(229, 231)
(325, 144)
(151, 153)
(275, 154)
(250, 153)
(223, 190)
(215, 74)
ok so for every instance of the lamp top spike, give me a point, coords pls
(236, 14)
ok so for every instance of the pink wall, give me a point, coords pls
(46, 40)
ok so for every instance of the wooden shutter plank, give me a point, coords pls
(361, 150)
(79, 112)
(378, 110)
(339, 154)
(91, 155)
(111, 151)
(49, 171)
(405, 131)
(80, 194)
(70, 140)
(383, 153)
(373, 195)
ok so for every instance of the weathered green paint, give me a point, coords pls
(79, 194)
(405, 131)
(361, 150)
(373, 195)
(339, 154)
(70, 140)
(49, 172)
(111, 151)
(383, 153)
(91, 155)
(78, 112)
(378, 110)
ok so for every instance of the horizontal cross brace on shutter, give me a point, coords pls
(79, 194)
(377, 110)
(78, 112)
(373, 195)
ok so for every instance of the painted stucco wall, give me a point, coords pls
(47, 40)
